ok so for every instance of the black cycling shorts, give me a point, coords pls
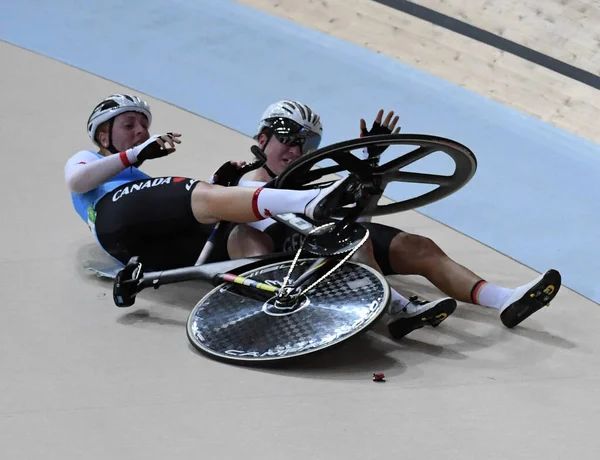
(287, 240)
(153, 219)
(381, 237)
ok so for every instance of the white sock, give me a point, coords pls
(490, 295)
(397, 302)
(269, 202)
(397, 297)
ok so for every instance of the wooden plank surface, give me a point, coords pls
(561, 28)
(564, 29)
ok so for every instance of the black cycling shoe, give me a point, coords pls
(419, 313)
(528, 299)
(126, 282)
(342, 192)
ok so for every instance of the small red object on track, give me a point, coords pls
(379, 377)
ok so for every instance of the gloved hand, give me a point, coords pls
(229, 173)
(387, 127)
(156, 146)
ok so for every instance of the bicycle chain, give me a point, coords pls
(338, 265)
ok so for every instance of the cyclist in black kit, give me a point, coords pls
(390, 250)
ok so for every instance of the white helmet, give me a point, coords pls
(112, 106)
(292, 110)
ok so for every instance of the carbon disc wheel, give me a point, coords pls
(239, 324)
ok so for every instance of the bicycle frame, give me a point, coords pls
(206, 272)
(375, 179)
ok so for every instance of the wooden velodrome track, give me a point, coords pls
(84, 380)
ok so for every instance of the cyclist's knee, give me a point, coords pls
(246, 241)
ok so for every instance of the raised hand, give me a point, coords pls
(380, 126)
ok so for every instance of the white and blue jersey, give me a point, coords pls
(84, 203)
(132, 214)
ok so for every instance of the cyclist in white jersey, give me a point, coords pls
(289, 129)
(165, 221)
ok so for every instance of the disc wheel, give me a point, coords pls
(239, 324)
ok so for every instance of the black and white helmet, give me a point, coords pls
(112, 106)
(292, 110)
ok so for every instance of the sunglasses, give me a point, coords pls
(290, 133)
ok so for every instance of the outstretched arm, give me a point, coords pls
(380, 126)
(85, 171)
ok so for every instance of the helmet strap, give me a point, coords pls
(266, 168)
(111, 148)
